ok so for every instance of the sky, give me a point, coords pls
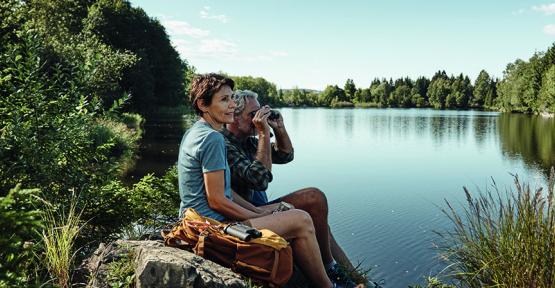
(311, 44)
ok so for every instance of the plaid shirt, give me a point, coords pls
(249, 175)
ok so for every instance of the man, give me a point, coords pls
(250, 160)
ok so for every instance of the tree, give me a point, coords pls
(547, 92)
(381, 92)
(438, 91)
(267, 92)
(350, 90)
(421, 85)
(156, 79)
(332, 93)
(483, 89)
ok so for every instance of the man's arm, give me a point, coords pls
(260, 121)
(283, 142)
(282, 150)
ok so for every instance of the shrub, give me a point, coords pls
(503, 240)
(115, 143)
(19, 225)
(156, 199)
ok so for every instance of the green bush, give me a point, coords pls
(133, 121)
(116, 143)
(121, 272)
(503, 240)
(19, 226)
(156, 199)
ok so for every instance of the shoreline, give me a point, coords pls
(547, 114)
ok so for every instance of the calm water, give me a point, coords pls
(386, 171)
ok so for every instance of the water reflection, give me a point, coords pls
(385, 169)
(529, 137)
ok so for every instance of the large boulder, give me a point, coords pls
(155, 266)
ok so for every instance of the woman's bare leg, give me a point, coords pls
(296, 225)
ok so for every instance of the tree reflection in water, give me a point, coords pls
(530, 137)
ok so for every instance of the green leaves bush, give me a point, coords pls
(19, 225)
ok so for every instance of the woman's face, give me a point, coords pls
(221, 109)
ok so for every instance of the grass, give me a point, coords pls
(503, 239)
(121, 273)
(59, 237)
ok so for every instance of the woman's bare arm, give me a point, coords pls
(214, 183)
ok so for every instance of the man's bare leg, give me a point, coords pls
(339, 255)
(313, 201)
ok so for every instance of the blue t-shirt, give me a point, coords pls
(202, 150)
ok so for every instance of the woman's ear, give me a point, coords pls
(201, 106)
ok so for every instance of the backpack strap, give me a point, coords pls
(199, 248)
(275, 266)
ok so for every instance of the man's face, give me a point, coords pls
(245, 124)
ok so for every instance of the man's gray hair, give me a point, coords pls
(240, 96)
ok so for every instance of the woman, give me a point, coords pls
(204, 178)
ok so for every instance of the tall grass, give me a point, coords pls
(503, 239)
(58, 236)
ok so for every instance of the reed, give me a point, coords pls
(58, 236)
(502, 239)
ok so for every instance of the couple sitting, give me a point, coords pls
(213, 160)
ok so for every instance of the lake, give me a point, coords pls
(386, 173)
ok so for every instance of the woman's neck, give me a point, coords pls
(212, 122)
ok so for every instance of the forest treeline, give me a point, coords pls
(526, 86)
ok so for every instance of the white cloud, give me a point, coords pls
(182, 28)
(279, 54)
(205, 15)
(547, 9)
(217, 48)
(519, 12)
(206, 48)
(549, 29)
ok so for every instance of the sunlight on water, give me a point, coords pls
(385, 171)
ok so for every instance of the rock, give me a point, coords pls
(157, 266)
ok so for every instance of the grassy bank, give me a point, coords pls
(502, 239)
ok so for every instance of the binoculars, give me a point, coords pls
(242, 231)
(273, 115)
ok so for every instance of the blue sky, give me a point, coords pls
(311, 44)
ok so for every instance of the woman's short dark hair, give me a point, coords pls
(204, 87)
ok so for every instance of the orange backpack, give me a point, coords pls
(268, 258)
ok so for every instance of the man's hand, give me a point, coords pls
(260, 120)
(276, 124)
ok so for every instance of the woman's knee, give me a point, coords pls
(300, 221)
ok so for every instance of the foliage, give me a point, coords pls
(116, 142)
(503, 240)
(19, 225)
(547, 92)
(484, 89)
(66, 40)
(526, 84)
(432, 282)
(267, 92)
(121, 272)
(58, 236)
(157, 77)
(350, 90)
(155, 199)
